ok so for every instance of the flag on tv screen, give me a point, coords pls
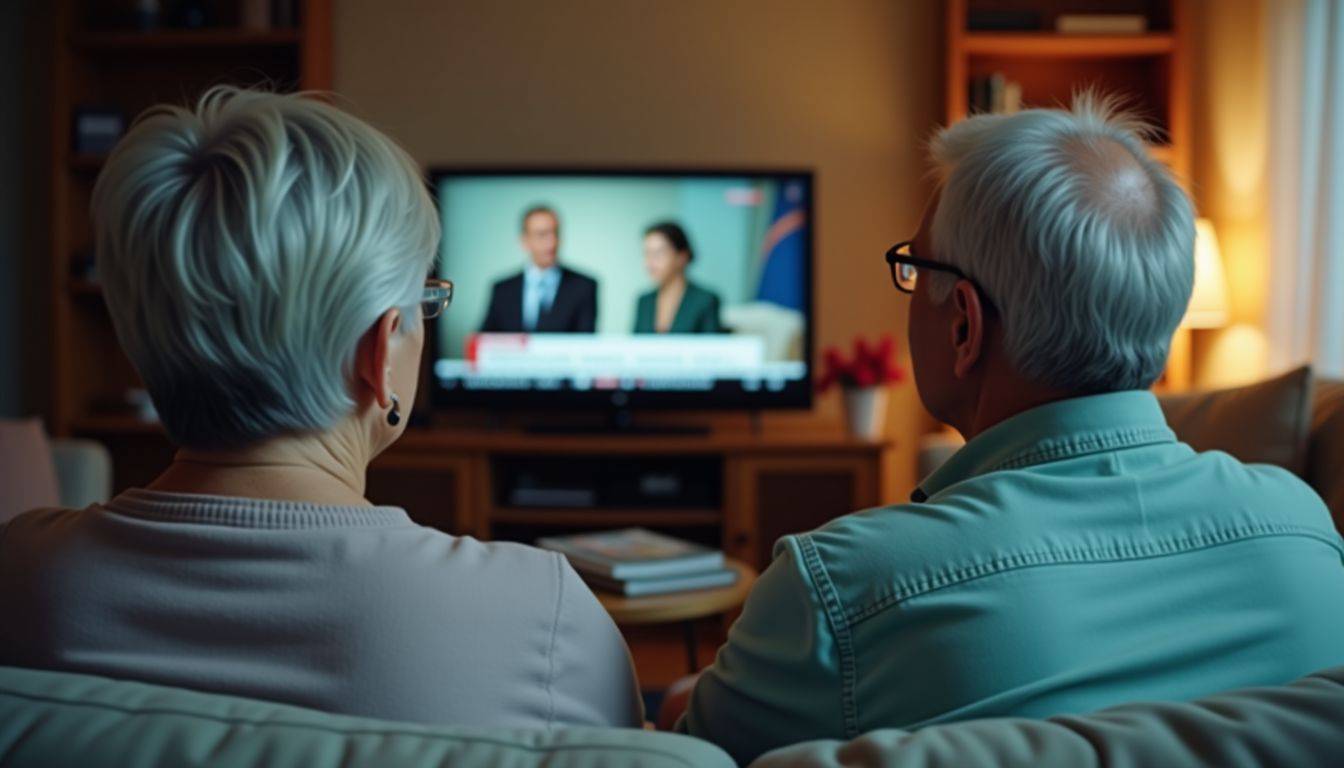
(782, 250)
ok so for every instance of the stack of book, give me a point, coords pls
(636, 562)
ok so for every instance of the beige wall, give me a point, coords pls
(851, 88)
(1231, 177)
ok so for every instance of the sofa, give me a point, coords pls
(1295, 421)
(55, 719)
(39, 472)
(63, 720)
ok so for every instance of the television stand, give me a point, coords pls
(767, 484)
(617, 422)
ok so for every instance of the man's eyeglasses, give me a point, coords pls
(436, 298)
(905, 267)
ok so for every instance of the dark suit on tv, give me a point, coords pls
(698, 312)
(573, 310)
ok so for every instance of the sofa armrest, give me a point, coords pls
(1326, 453)
(83, 471)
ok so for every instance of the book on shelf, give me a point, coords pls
(995, 94)
(720, 577)
(1002, 20)
(1101, 24)
(633, 553)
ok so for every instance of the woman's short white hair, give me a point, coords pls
(1083, 243)
(244, 247)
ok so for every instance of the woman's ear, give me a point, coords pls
(968, 329)
(373, 358)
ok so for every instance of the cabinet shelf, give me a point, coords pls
(598, 517)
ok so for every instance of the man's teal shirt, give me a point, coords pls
(1070, 558)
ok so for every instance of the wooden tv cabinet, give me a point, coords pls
(771, 484)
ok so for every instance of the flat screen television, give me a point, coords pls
(587, 318)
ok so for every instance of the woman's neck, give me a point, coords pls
(319, 469)
(674, 287)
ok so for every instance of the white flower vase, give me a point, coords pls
(866, 411)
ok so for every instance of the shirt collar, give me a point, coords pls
(538, 276)
(1055, 431)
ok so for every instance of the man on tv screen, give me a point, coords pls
(545, 297)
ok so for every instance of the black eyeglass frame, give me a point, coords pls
(894, 258)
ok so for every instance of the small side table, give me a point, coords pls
(684, 607)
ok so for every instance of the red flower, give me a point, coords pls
(871, 365)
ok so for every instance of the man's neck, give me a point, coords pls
(1003, 397)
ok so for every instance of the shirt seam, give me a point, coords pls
(1110, 439)
(835, 616)
(1083, 555)
(555, 633)
(1115, 438)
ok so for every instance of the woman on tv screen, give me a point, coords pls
(675, 305)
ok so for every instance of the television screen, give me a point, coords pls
(625, 288)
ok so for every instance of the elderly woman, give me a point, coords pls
(264, 260)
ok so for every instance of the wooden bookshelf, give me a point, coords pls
(1149, 70)
(95, 65)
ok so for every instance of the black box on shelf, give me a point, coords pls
(97, 129)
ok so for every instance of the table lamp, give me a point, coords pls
(1208, 301)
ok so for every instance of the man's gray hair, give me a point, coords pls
(1083, 242)
(245, 246)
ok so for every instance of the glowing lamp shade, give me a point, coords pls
(1208, 302)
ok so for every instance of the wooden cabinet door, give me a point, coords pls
(770, 497)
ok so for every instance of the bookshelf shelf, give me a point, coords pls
(86, 288)
(184, 40)
(1054, 45)
(87, 163)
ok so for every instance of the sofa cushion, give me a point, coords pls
(1263, 423)
(1325, 456)
(27, 475)
(1296, 724)
(56, 719)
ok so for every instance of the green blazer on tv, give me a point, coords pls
(697, 313)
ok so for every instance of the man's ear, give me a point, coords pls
(373, 358)
(968, 328)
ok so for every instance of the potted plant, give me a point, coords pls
(864, 378)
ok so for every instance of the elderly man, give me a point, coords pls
(1073, 554)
